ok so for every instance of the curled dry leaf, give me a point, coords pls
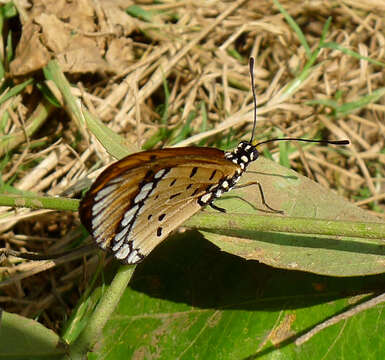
(81, 36)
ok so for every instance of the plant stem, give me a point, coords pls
(110, 299)
(273, 223)
(39, 202)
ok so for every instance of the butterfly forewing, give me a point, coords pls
(174, 201)
(135, 203)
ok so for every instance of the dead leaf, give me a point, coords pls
(31, 55)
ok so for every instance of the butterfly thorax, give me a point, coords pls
(243, 155)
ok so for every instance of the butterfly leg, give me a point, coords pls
(217, 208)
(262, 195)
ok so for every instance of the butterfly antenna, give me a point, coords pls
(333, 142)
(251, 64)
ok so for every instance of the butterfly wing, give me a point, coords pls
(136, 202)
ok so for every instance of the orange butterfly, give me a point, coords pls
(136, 202)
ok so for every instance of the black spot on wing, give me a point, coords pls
(174, 195)
(161, 217)
(172, 183)
(159, 231)
(193, 171)
(188, 186)
(195, 192)
(149, 174)
(212, 175)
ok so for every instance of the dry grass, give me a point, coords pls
(200, 49)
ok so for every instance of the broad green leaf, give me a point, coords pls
(189, 300)
(23, 338)
(297, 196)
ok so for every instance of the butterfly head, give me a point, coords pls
(243, 155)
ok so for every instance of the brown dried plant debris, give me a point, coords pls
(84, 37)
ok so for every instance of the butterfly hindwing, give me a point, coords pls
(135, 203)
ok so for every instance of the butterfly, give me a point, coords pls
(136, 202)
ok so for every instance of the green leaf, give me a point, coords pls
(22, 338)
(235, 54)
(190, 296)
(9, 10)
(340, 110)
(185, 130)
(9, 48)
(17, 89)
(140, 13)
(81, 315)
(47, 93)
(284, 154)
(349, 107)
(34, 122)
(294, 26)
(336, 46)
(189, 300)
(299, 197)
(114, 144)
